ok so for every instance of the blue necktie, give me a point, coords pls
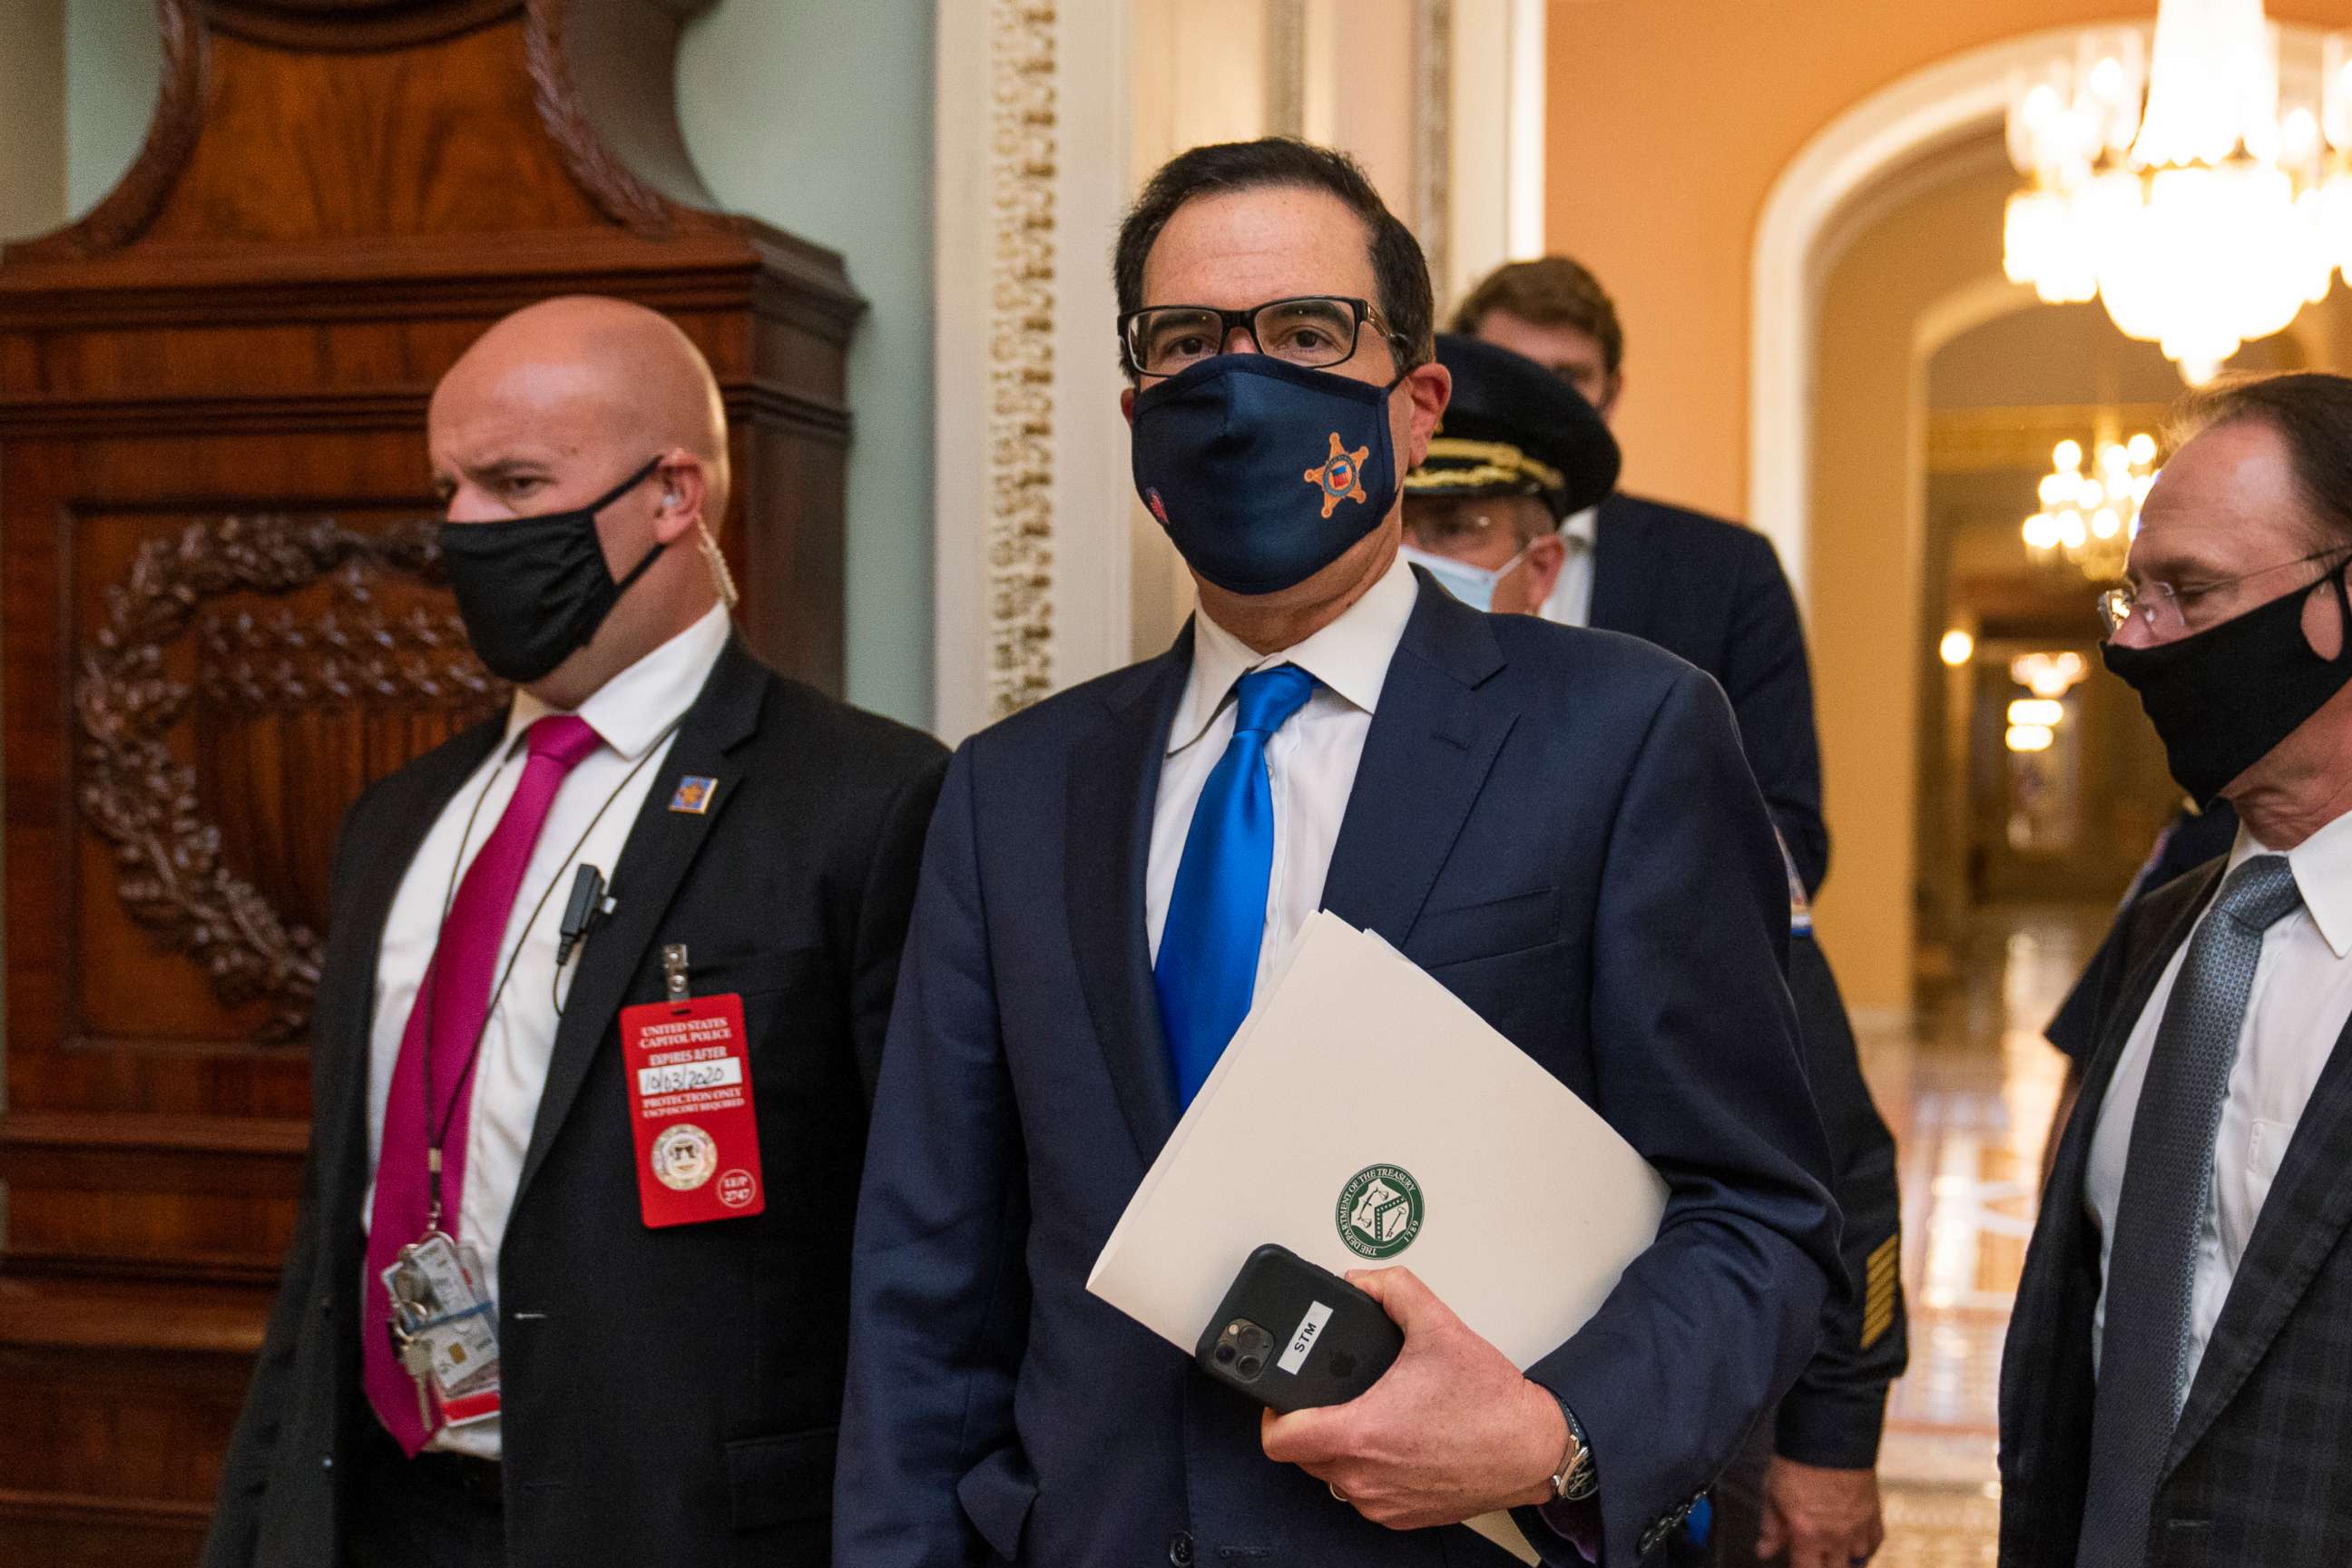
(1216, 915)
(2168, 1189)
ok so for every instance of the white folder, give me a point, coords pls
(1523, 1207)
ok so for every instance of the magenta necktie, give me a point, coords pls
(457, 991)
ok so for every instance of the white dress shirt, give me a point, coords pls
(2301, 995)
(634, 713)
(1310, 761)
(1570, 604)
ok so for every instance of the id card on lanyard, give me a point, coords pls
(690, 1111)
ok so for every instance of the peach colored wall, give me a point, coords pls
(1669, 122)
(1866, 633)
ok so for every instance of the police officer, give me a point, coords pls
(1483, 514)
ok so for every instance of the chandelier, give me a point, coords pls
(2089, 518)
(2173, 185)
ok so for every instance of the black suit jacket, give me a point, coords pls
(670, 1396)
(1557, 824)
(2259, 1469)
(1714, 593)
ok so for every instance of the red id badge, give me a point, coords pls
(690, 1111)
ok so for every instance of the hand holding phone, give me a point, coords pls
(1293, 1336)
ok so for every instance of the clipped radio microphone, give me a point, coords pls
(582, 913)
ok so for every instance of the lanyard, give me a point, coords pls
(437, 1131)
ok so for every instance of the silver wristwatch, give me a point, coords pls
(1575, 1480)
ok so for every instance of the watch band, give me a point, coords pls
(1576, 1478)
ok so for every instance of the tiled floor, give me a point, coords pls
(1969, 1093)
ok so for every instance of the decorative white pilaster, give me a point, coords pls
(1037, 555)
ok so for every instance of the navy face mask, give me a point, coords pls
(533, 590)
(1263, 473)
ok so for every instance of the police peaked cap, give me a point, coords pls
(1513, 428)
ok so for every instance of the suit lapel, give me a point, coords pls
(1425, 760)
(2302, 1220)
(390, 848)
(661, 848)
(1621, 581)
(1113, 787)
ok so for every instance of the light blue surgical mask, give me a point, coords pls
(1474, 585)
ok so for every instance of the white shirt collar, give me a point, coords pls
(1351, 657)
(1584, 527)
(2323, 875)
(637, 707)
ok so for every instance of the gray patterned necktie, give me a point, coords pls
(2167, 1188)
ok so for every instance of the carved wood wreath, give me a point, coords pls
(171, 875)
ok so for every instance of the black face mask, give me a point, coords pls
(2223, 699)
(533, 590)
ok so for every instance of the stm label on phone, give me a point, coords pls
(1304, 1340)
(1291, 1336)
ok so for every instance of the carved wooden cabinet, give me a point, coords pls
(223, 615)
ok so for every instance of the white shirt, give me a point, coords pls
(2301, 995)
(634, 713)
(1570, 604)
(1310, 761)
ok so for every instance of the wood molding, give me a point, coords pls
(354, 26)
(349, 653)
(106, 1316)
(126, 211)
(224, 618)
(60, 1529)
(581, 57)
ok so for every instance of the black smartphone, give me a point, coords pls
(1293, 1336)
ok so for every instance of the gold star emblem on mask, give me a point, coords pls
(1341, 476)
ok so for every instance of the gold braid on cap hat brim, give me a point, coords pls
(1491, 463)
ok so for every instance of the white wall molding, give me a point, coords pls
(1489, 129)
(1041, 120)
(1931, 108)
(1529, 65)
(1031, 142)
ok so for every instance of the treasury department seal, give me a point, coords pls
(1379, 1211)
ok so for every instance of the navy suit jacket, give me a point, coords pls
(1714, 593)
(1555, 823)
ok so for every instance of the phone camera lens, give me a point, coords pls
(1250, 1366)
(1224, 1354)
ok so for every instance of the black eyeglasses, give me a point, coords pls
(1313, 331)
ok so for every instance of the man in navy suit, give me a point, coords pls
(1708, 589)
(1713, 592)
(1488, 513)
(1112, 875)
